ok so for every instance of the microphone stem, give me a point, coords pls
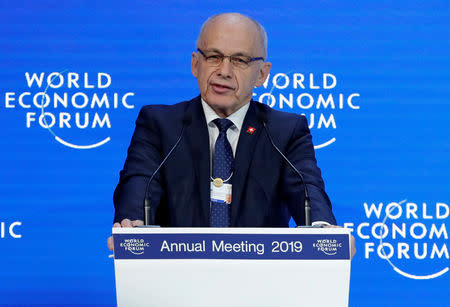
(307, 200)
(147, 206)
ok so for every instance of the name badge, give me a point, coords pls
(221, 194)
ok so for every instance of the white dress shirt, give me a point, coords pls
(237, 118)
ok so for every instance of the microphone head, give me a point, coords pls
(187, 120)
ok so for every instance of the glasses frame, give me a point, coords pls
(231, 56)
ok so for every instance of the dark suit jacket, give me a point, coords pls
(266, 192)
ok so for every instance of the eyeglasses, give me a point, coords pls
(215, 58)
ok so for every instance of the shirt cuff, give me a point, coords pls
(320, 223)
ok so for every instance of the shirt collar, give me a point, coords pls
(237, 118)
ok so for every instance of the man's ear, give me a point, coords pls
(263, 73)
(194, 64)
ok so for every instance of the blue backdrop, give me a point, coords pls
(372, 77)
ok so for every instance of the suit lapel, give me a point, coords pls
(198, 140)
(244, 156)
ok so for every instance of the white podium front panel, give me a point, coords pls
(232, 267)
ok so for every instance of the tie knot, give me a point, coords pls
(223, 124)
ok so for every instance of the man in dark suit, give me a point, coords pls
(225, 171)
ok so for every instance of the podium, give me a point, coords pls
(232, 266)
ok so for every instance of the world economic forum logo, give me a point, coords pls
(316, 96)
(75, 108)
(134, 246)
(329, 247)
(410, 236)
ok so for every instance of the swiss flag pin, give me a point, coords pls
(251, 130)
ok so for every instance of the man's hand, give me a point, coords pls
(353, 247)
(352, 241)
(124, 223)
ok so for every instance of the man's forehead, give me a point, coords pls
(232, 34)
(218, 50)
(232, 39)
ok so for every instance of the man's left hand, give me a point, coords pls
(352, 240)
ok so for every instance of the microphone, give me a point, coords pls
(187, 119)
(263, 118)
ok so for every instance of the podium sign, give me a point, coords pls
(232, 266)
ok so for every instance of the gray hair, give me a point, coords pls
(259, 27)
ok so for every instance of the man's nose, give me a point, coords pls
(225, 68)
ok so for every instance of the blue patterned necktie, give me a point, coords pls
(223, 165)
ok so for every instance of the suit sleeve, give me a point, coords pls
(144, 156)
(300, 151)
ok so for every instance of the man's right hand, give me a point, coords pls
(124, 223)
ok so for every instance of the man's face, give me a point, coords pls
(224, 87)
